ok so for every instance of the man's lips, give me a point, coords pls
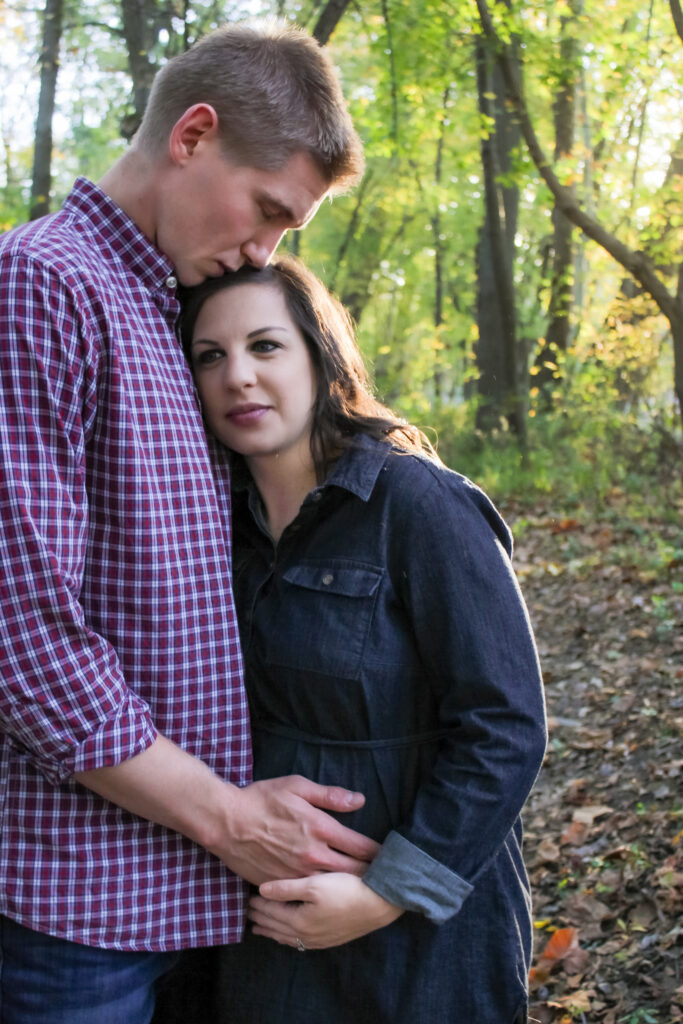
(221, 269)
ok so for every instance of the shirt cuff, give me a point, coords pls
(408, 877)
(129, 732)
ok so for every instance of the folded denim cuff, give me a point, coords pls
(408, 877)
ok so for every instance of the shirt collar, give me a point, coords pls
(120, 234)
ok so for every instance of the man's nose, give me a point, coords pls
(258, 250)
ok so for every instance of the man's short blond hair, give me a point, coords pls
(275, 91)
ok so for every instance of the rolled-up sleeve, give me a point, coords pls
(451, 564)
(63, 698)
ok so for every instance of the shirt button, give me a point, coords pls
(316, 496)
(171, 282)
(327, 578)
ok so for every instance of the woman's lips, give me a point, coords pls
(246, 415)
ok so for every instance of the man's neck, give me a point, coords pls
(130, 184)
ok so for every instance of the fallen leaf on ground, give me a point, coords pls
(547, 852)
(562, 947)
(588, 912)
(587, 814)
(574, 834)
(577, 1002)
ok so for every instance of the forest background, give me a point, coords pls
(514, 261)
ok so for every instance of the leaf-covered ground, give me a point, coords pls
(605, 823)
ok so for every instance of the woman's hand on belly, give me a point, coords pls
(320, 911)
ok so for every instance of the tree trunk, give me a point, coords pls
(562, 285)
(677, 15)
(676, 321)
(141, 22)
(439, 247)
(636, 262)
(42, 152)
(497, 350)
(677, 334)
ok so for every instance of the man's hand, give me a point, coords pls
(272, 829)
(321, 911)
(278, 829)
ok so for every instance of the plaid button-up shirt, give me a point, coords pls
(116, 613)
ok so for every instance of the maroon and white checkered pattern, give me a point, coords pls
(116, 614)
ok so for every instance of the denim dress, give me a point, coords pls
(388, 650)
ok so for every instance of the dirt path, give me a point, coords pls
(605, 822)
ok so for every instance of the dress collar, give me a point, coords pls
(356, 470)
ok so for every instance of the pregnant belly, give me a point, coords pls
(387, 772)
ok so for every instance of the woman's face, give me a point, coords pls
(254, 372)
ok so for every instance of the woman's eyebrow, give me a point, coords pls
(260, 330)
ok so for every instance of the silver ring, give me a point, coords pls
(300, 946)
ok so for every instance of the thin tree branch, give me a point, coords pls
(350, 228)
(329, 19)
(111, 29)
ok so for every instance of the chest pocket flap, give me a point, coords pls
(318, 616)
(346, 581)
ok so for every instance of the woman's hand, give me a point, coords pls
(321, 911)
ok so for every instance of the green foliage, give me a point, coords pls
(409, 73)
(641, 1016)
(578, 457)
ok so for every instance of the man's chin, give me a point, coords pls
(188, 277)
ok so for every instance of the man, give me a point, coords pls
(125, 811)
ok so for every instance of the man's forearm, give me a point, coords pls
(167, 785)
(268, 830)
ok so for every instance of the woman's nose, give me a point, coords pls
(239, 371)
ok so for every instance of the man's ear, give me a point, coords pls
(198, 124)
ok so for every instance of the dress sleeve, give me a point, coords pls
(63, 700)
(450, 560)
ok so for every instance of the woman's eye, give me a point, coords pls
(207, 357)
(264, 346)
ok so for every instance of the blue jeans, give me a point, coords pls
(46, 980)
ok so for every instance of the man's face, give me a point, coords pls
(214, 215)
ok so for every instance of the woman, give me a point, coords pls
(387, 650)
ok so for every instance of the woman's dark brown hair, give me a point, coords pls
(345, 405)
